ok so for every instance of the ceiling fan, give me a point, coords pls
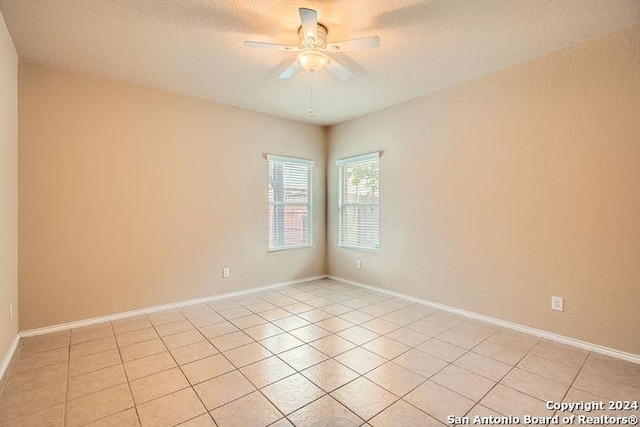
(313, 50)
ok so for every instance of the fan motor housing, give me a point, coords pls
(321, 41)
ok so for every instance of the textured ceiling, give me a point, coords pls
(194, 47)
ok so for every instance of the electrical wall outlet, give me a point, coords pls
(226, 272)
(359, 264)
(556, 303)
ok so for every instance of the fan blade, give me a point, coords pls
(338, 70)
(290, 71)
(271, 46)
(355, 44)
(309, 19)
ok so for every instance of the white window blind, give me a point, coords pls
(290, 203)
(359, 202)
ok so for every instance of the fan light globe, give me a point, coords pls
(312, 60)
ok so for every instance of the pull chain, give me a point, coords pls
(311, 97)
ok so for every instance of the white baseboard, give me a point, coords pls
(139, 312)
(635, 358)
(6, 360)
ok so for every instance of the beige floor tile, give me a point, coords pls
(90, 333)
(298, 308)
(428, 327)
(338, 310)
(223, 304)
(442, 350)
(218, 329)
(252, 410)
(279, 343)
(130, 324)
(193, 352)
(481, 411)
(290, 323)
(234, 313)
(401, 414)
(360, 360)
(206, 320)
(548, 369)
(39, 360)
(334, 324)
(292, 393)
(230, 341)
(247, 354)
(195, 311)
(94, 362)
(267, 371)
(223, 389)
(329, 375)
(561, 353)
(164, 317)
(438, 401)
(380, 326)
(207, 368)
(248, 321)
(319, 302)
(203, 420)
(605, 387)
(41, 343)
(92, 347)
(25, 402)
(535, 385)
(315, 315)
(420, 363)
(95, 381)
(302, 357)
(514, 339)
(358, 335)
(282, 423)
(325, 411)
(142, 349)
(364, 398)
(408, 337)
(171, 409)
(461, 339)
(355, 303)
(310, 333)
(137, 336)
(386, 347)
(149, 365)
(260, 306)
(263, 331)
(174, 328)
(332, 345)
(485, 366)
(99, 405)
(466, 383)
(508, 355)
(395, 378)
(182, 339)
(52, 416)
(158, 385)
(128, 418)
(508, 401)
(38, 377)
(617, 370)
(356, 317)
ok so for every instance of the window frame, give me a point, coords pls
(310, 166)
(342, 164)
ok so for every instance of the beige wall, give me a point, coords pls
(8, 188)
(505, 190)
(128, 199)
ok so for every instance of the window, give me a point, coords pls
(290, 197)
(359, 202)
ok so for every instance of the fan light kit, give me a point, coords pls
(313, 50)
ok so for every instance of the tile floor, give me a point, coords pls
(320, 353)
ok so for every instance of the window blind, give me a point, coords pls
(290, 203)
(359, 202)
